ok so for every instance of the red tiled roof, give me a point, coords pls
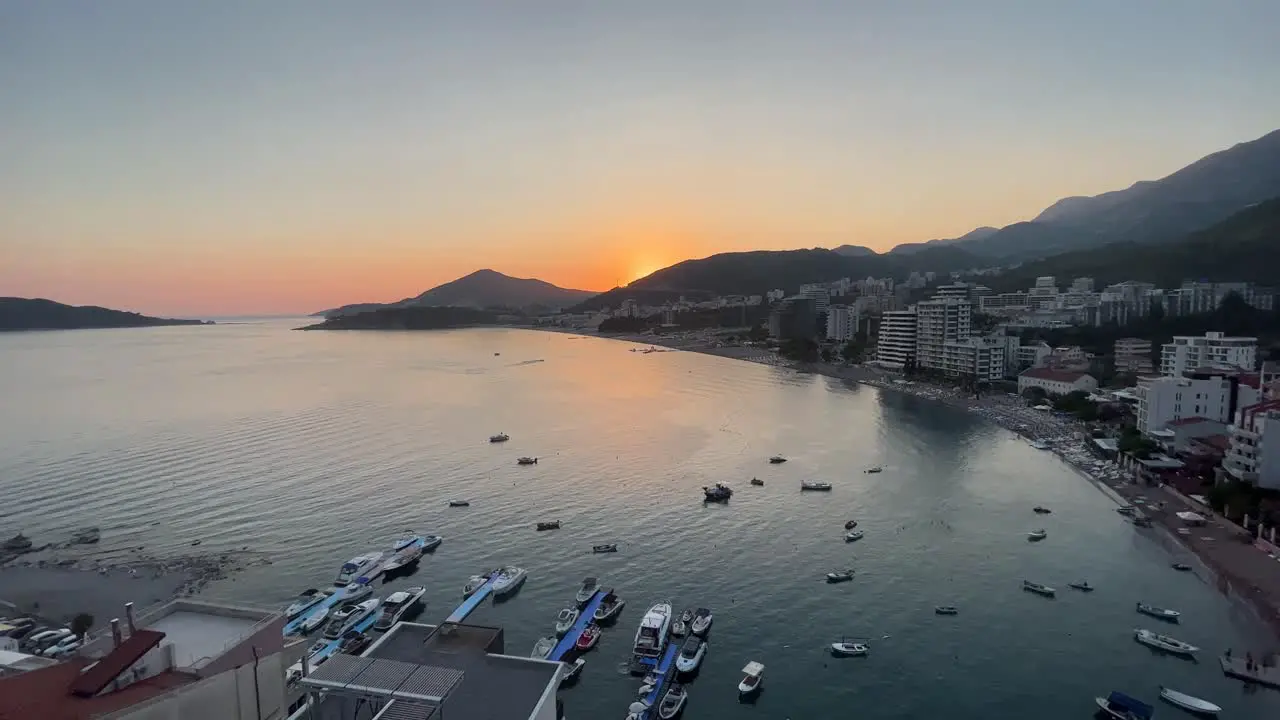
(1051, 374)
(1188, 421)
(92, 681)
(45, 694)
(1219, 442)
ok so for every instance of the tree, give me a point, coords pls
(1035, 394)
(81, 624)
(828, 355)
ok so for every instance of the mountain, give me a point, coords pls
(39, 314)
(975, 234)
(1245, 247)
(419, 317)
(1193, 198)
(481, 289)
(853, 251)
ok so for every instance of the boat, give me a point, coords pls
(475, 582)
(397, 606)
(313, 621)
(1081, 585)
(851, 524)
(459, 503)
(572, 671)
(717, 493)
(1159, 612)
(1142, 521)
(588, 590)
(1039, 510)
(853, 535)
(405, 553)
(589, 637)
(946, 610)
(1039, 444)
(679, 628)
(873, 470)
(686, 616)
(752, 678)
(606, 548)
(1182, 567)
(527, 461)
(650, 683)
(356, 591)
(543, 648)
(1037, 534)
(691, 654)
(672, 702)
(358, 566)
(1188, 702)
(509, 579)
(1038, 588)
(757, 481)
(354, 642)
(306, 600)
(1122, 707)
(500, 437)
(651, 636)
(552, 525)
(639, 710)
(777, 459)
(840, 576)
(348, 616)
(844, 648)
(814, 485)
(565, 621)
(1163, 642)
(1126, 510)
(609, 608)
(701, 622)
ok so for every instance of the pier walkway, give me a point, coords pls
(665, 672)
(294, 626)
(565, 646)
(331, 648)
(469, 605)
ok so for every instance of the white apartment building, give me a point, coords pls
(1162, 400)
(1004, 303)
(1029, 356)
(956, 290)
(820, 295)
(1132, 346)
(939, 321)
(1056, 382)
(1189, 352)
(842, 323)
(981, 358)
(1254, 455)
(896, 340)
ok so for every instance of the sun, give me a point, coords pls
(640, 271)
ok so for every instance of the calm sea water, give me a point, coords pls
(313, 447)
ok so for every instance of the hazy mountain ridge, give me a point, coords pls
(481, 289)
(41, 314)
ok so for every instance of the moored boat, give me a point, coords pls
(543, 647)
(1159, 612)
(306, 600)
(609, 608)
(752, 678)
(459, 503)
(589, 637)
(509, 579)
(605, 548)
(717, 493)
(527, 461)
(1188, 702)
(1163, 642)
(348, 616)
(691, 654)
(316, 619)
(354, 642)
(1037, 534)
(500, 437)
(844, 648)
(777, 459)
(572, 671)
(398, 606)
(1041, 510)
(356, 591)
(701, 621)
(565, 621)
(1081, 585)
(588, 590)
(1126, 510)
(851, 524)
(358, 566)
(672, 702)
(874, 469)
(814, 485)
(839, 576)
(946, 610)
(651, 636)
(1038, 588)
(550, 525)
(757, 481)
(1122, 707)
(853, 535)
(404, 553)
(475, 582)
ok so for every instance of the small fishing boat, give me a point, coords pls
(1081, 585)
(717, 493)
(1188, 702)
(551, 525)
(565, 621)
(348, 616)
(306, 600)
(588, 590)
(543, 648)
(672, 702)
(1163, 642)
(757, 482)
(459, 503)
(814, 485)
(777, 459)
(851, 524)
(1039, 510)
(691, 654)
(840, 576)
(853, 535)
(609, 608)
(500, 437)
(844, 648)
(946, 610)
(572, 671)
(1038, 588)
(589, 637)
(475, 582)
(1122, 707)
(398, 605)
(527, 461)
(1037, 535)
(701, 622)
(1159, 612)
(509, 579)
(752, 678)
(606, 548)
(1182, 567)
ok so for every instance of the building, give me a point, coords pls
(1164, 400)
(896, 340)
(842, 323)
(452, 671)
(957, 290)
(1188, 352)
(1056, 382)
(794, 318)
(979, 358)
(1254, 453)
(1067, 358)
(775, 295)
(1033, 356)
(1004, 303)
(939, 321)
(1082, 285)
(819, 294)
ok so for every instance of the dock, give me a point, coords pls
(1236, 667)
(293, 627)
(331, 648)
(664, 672)
(469, 605)
(566, 644)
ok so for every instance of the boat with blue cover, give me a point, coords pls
(1122, 707)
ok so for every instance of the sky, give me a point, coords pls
(238, 157)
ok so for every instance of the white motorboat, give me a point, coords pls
(814, 485)
(1037, 534)
(348, 616)
(397, 606)
(1188, 702)
(431, 542)
(840, 576)
(355, 592)
(543, 648)
(1038, 588)
(845, 648)
(565, 621)
(500, 437)
(572, 671)
(672, 702)
(588, 590)
(638, 710)
(651, 636)
(691, 654)
(475, 582)
(752, 678)
(314, 620)
(679, 628)
(1159, 612)
(509, 579)
(527, 461)
(358, 566)
(701, 622)
(404, 553)
(609, 608)
(306, 600)
(1163, 642)
(853, 535)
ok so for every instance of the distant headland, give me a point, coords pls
(17, 314)
(411, 318)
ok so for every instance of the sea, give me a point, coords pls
(312, 447)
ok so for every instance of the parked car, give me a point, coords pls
(43, 640)
(20, 627)
(65, 646)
